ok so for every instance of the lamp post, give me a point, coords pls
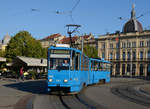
(82, 43)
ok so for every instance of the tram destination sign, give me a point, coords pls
(60, 52)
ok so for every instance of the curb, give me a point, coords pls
(144, 90)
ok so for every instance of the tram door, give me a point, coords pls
(92, 72)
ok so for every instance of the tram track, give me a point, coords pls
(128, 92)
(71, 102)
(77, 101)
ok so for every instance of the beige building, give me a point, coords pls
(129, 51)
(87, 40)
(51, 40)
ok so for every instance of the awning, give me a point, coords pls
(33, 61)
(2, 59)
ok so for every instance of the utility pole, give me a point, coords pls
(82, 40)
(71, 29)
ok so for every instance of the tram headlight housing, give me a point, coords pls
(65, 80)
(50, 80)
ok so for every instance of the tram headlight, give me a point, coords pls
(50, 80)
(65, 80)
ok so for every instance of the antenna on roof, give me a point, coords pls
(71, 29)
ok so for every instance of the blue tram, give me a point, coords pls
(99, 71)
(69, 70)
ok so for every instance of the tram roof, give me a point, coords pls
(99, 60)
(64, 48)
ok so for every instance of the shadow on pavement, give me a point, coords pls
(35, 87)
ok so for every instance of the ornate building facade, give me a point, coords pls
(129, 50)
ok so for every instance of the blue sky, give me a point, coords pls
(94, 16)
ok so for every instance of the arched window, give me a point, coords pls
(129, 55)
(134, 55)
(141, 70)
(141, 55)
(117, 69)
(111, 55)
(117, 55)
(133, 69)
(148, 54)
(123, 69)
(103, 54)
(124, 55)
(128, 67)
(148, 70)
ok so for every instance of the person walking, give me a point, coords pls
(21, 74)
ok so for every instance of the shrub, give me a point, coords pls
(33, 74)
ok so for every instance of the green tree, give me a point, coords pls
(44, 52)
(91, 51)
(23, 44)
(2, 53)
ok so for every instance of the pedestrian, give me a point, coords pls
(21, 74)
(25, 75)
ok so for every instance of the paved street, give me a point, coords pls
(9, 96)
(103, 95)
(12, 92)
(20, 95)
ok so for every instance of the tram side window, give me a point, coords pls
(101, 67)
(92, 65)
(95, 66)
(98, 66)
(105, 67)
(84, 63)
(77, 61)
(108, 67)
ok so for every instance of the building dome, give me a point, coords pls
(6, 39)
(133, 25)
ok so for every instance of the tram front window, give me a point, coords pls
(59, 63)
